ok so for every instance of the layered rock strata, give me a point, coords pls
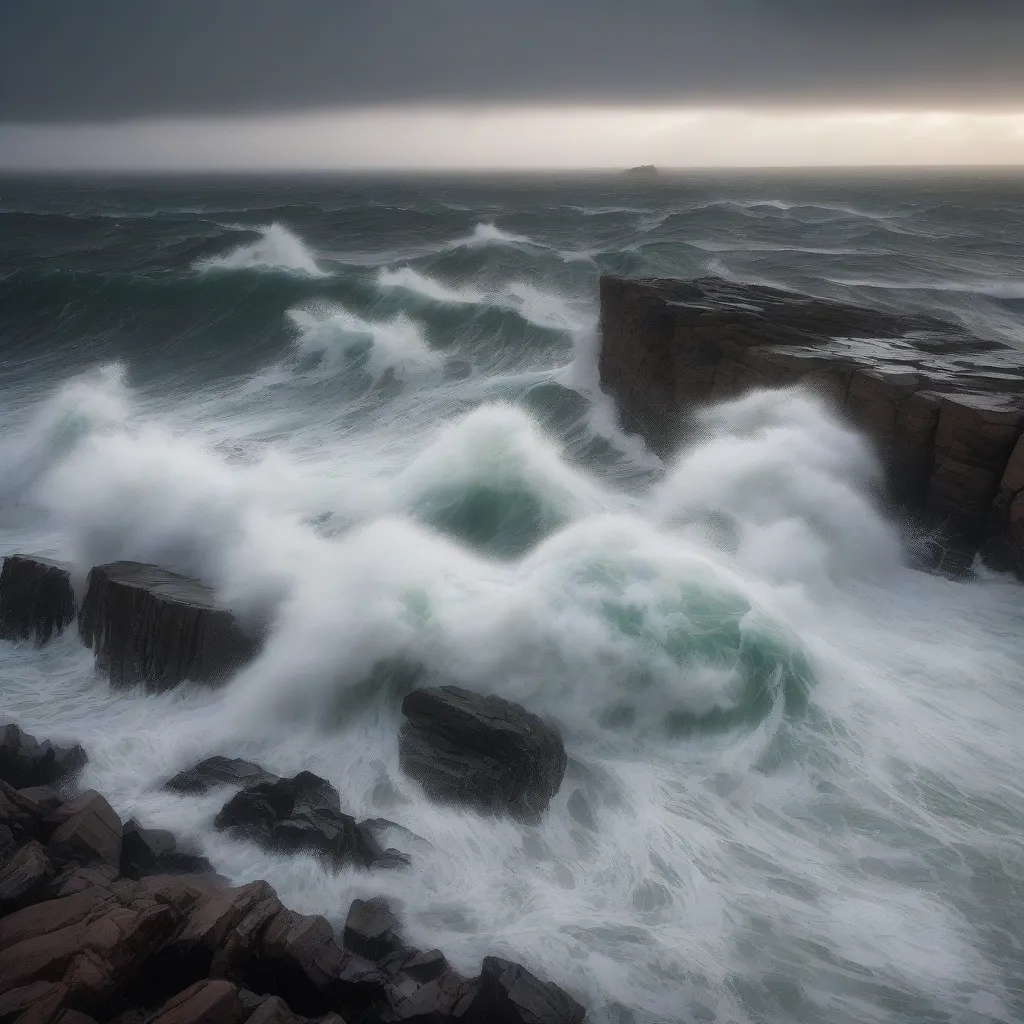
(945, 410)
(37, 600)
(151, 626)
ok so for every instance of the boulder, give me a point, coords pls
(19, 1000)
(510, 994)
(36, 598)
(206, 1002)
(371, 929)
(302, 815)
(24, 876)
(151, 626)
(88, 831)
(481, 751)
(218, 771)
(151, 851)
(24, 761)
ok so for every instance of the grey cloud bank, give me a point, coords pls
(112, 59)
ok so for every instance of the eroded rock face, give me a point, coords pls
(24, 761)
(37, 600)
(151, 626)
(480, 751)
(945, 410)
(303, 815)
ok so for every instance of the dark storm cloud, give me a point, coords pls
(100, 59)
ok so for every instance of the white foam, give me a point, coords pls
(333, 332)
(277, 249)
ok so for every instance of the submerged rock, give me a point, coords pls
(303, 815)
(152, 626)
(218, 771)
(481, 751)
(36, 598)
(24, 761)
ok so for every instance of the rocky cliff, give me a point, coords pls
(945, 409)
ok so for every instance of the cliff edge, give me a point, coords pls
(945, 409)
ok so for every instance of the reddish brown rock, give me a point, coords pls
(157, 628)
(23, 877)
(206, 1002)
(88, 831)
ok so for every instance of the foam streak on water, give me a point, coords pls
(793, 789)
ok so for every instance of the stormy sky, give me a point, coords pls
(65, 65)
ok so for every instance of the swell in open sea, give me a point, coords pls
(368, 411)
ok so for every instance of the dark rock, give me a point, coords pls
(23, 877)
(206, 1002)
(18, 1000)
(310, 971)
(426, 1002)
(47, 1006)
(151, 626)
(148, 851)
(46, 798)
(36, 598)
(75, 879)
(371, 929)
(219, 771)
(88, 831)
(482, 751)
(7, 843)
(302, 815)
(510, 994)
(945, 410)
(75, 1017)
(26, 762)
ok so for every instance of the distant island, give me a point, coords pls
(643, 171)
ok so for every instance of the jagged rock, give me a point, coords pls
(23, 877)
(88, 831)
(36, 598)
(371, 929)
(24, 761)
(482, 751)
(75, 879)
(206, 1002)
(149, 851)
(95, 943)
(219, 771)
(510, 994)
(151, 626)
(302, 815)
(1004, 548)
(7, 843)
(945, 410)
(46, 798)
(311, 972)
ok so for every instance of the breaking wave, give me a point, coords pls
(277, 249)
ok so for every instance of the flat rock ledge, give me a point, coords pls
(945, 410)
(480, 751)
(82, 941)
(155, 627)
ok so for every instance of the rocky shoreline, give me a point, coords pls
(104, 920)
(944, 409)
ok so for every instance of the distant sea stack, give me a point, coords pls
(944, 411)
(643, 171)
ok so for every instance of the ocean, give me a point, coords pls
(367, 411)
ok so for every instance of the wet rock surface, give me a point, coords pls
(24, 761)
(480, 751)
(37, 600)
(303, 815)
(219, 771)
(153, 627)
(945, 409)
(84, 940)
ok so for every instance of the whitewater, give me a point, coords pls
(367, 412)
